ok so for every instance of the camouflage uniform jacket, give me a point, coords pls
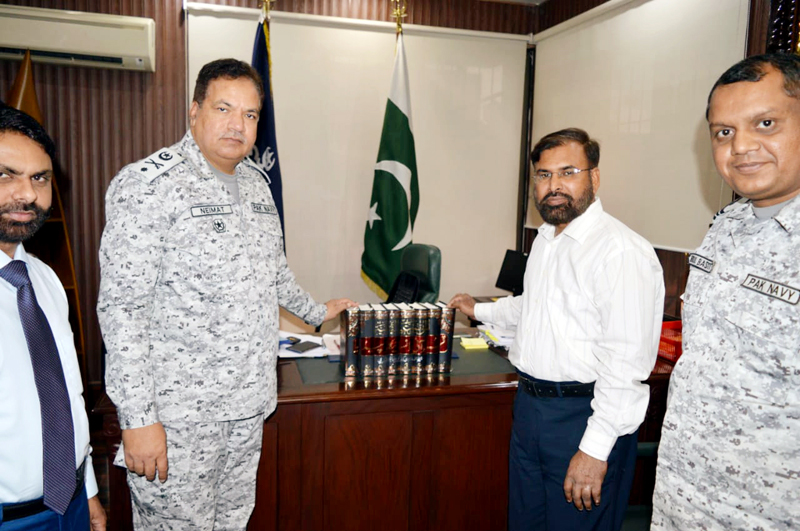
(729, 456)
(189, 291)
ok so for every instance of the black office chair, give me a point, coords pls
(420, 275)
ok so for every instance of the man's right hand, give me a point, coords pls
(465, 303)
(146, 451)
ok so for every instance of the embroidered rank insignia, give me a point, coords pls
(219, 225)
(772, 289)
(701, 262)
(158, 163)
(211, 210)
(260, 208)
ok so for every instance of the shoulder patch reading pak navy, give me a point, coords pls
(772, 289)
(701, 262)
(260, 208)
(158, 163)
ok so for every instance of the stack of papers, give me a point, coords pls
(497, 337)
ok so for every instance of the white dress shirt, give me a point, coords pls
(21, 473)
(591, 311)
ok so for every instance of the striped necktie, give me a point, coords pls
(58, 440)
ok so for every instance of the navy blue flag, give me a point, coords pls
(265, 150)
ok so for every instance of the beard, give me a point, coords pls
(17, 231)
(565, 212)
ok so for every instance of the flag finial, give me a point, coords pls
(22, 95)
(266, 9)
(399, 13)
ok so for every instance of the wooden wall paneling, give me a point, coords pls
(112, 484)
(555, 12)
(758, 27)
(676, 273)
(462, 14)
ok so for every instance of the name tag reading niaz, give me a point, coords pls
(211, 210)
(701, 262)
(772, 289)
(260, 208)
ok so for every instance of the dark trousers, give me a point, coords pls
(75, 519)
(544, 437)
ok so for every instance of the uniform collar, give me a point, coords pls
(789, 216)
(579, 228)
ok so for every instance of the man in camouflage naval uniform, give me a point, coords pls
(729, 457)
(193, 273)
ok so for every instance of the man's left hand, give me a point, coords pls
(584, 480)
(97, 515)
(335, 307)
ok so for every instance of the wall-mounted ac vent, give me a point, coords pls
(77, 38)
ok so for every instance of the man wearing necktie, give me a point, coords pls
(46, 476)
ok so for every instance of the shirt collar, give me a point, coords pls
(19, 254)
(579, 228)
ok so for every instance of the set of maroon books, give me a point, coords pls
(383, 339)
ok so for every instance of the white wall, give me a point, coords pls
(637, 77)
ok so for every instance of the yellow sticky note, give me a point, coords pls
(473, 343)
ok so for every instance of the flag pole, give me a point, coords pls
(395, 188)
(399, 13)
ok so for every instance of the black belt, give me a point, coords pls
(15, 511)
(542, 389)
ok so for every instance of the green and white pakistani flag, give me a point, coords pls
(395, 189)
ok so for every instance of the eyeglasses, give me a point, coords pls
(566, 174)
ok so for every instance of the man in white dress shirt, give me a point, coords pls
(26, 173)
(588, 325)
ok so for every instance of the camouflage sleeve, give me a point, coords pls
(294, 298)
(130, 254)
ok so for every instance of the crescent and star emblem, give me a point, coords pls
(403, 175)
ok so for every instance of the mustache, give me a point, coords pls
(235, 135)
(21, 207)
(557, 194)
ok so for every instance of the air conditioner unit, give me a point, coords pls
(77, 38)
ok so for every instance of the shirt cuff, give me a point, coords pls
(317, 315)
(483, 311)
(129, 421)
(89, 480)
(597, 444)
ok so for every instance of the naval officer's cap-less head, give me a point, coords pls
(26, 173)
(224, 113)
(754, 120)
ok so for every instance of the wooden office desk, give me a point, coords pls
(414, 454)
